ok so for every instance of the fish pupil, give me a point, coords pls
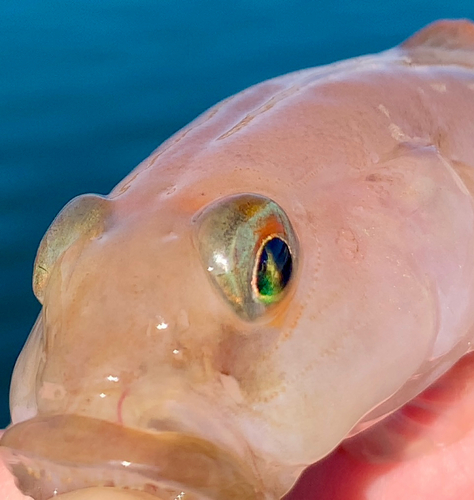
(274, 269)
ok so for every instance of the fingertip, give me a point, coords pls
(98, 493)
(8, 489)
(441, 415)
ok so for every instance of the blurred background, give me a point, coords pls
(89, 88)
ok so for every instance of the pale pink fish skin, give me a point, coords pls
(372, 160)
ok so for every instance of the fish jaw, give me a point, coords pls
(82, 452)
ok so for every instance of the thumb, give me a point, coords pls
(106, 494)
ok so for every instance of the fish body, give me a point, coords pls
(286, 271)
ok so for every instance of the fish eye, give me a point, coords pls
(272, 270)
(249, 249)
(84, 215)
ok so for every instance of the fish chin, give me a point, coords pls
(80, 452)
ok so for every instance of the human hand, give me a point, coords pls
(444, 413)
(444, 474)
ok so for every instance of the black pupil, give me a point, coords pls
(275, 254)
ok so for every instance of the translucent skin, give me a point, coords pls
(371, 159)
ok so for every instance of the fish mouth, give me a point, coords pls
(56, 454)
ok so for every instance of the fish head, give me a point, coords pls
(225, 320)
(182, 304)
(291, 267)
(164, 322)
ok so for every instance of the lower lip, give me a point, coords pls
(62, 453)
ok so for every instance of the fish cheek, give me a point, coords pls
(28, 385)
(23, 399)
(249, 360)
(65, 342)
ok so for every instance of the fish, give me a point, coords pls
(290, 273)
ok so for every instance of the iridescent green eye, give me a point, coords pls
(249, 249)
(273, 270)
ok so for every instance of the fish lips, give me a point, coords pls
(56, 454)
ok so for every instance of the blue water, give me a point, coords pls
(89, 88)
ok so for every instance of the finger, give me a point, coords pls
(442, 471)
(8, 489)
(106, 494)
(442, 475)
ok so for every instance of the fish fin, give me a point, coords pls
(442, 414)
(443, 42)
(446, 34)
